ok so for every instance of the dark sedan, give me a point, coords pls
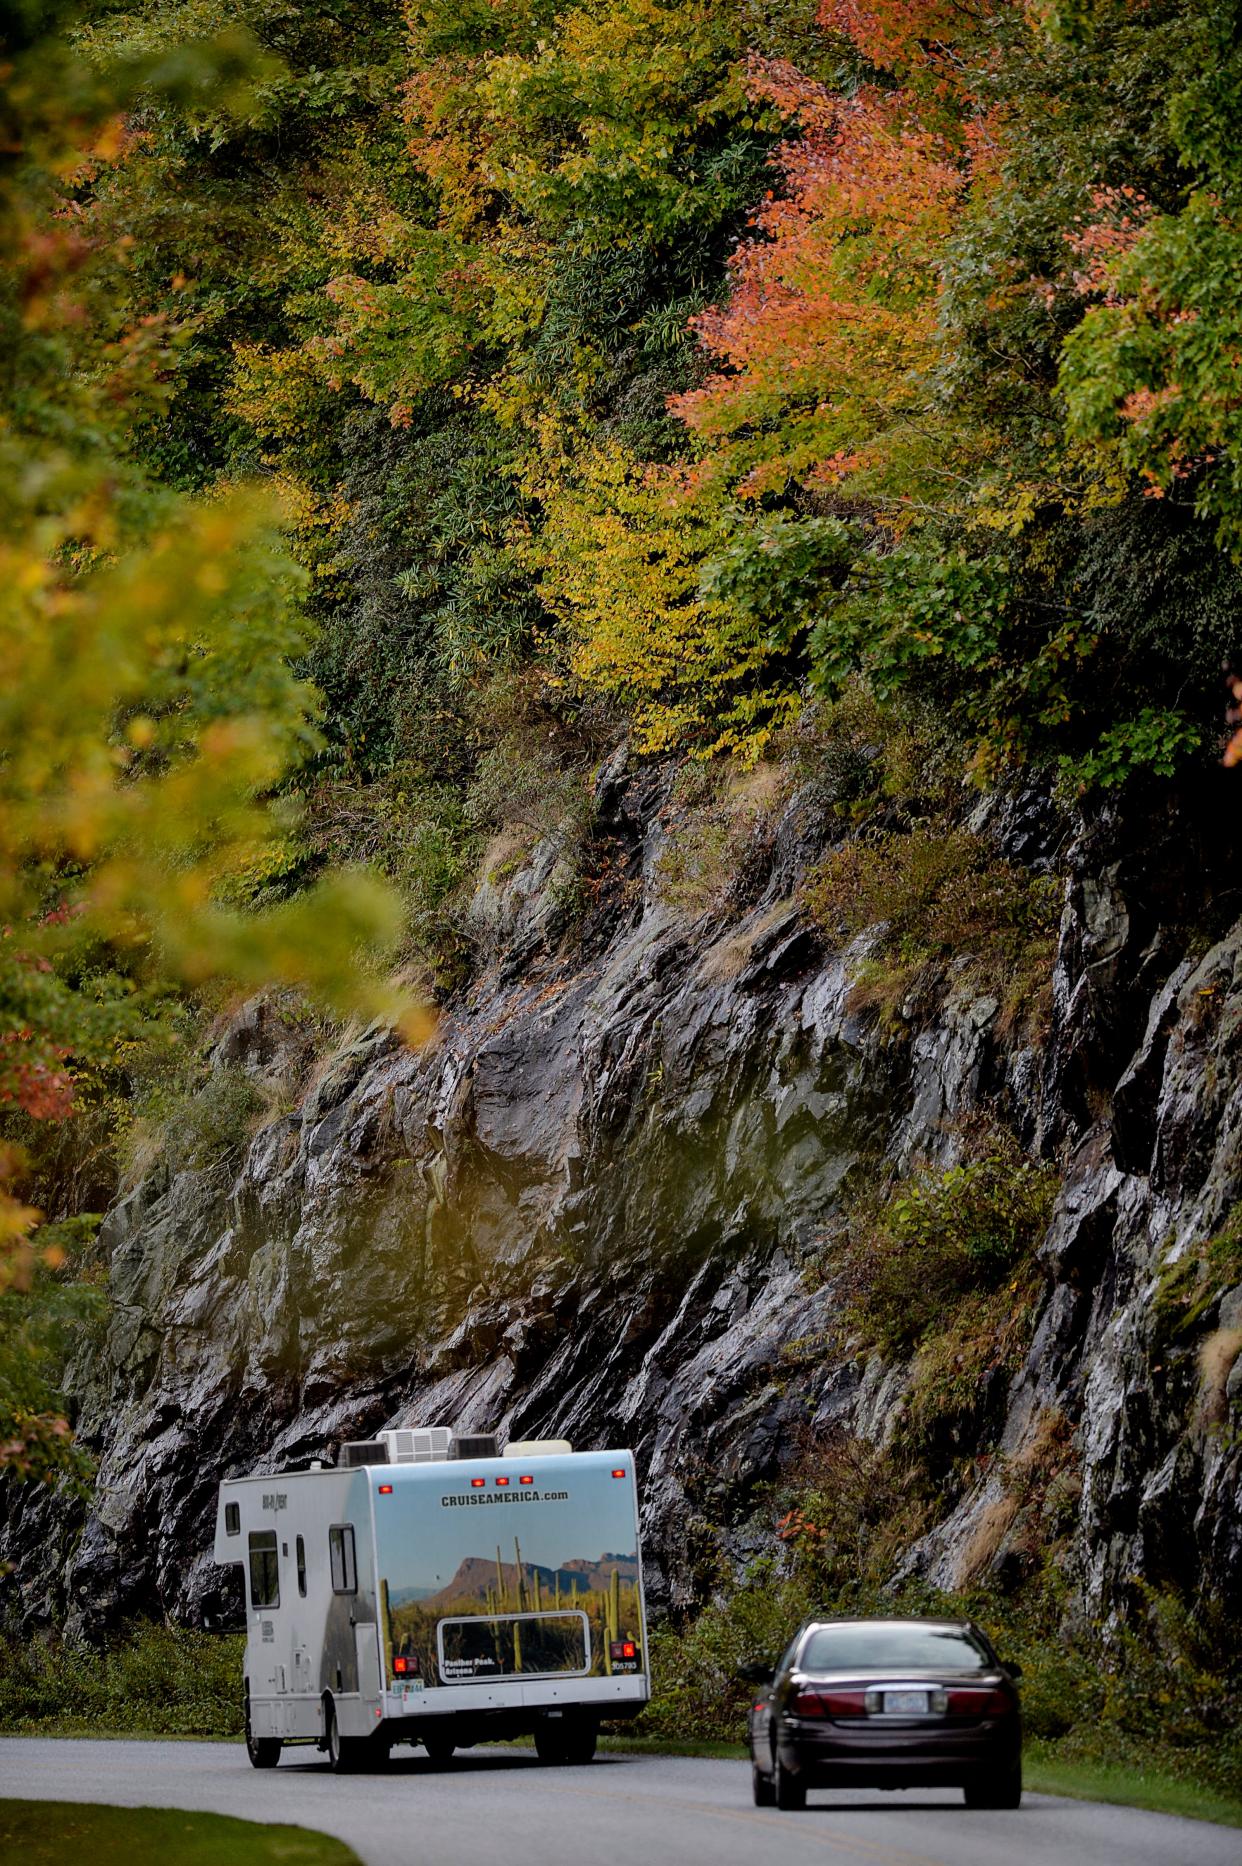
(887, 1704)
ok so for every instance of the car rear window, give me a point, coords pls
(892, 1648)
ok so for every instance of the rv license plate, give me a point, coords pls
(906, 1703)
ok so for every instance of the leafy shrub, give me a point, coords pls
(1162, 1690)
(194, 1124)
(40, 1325)
(959, 1383)
(162, 1680)
(1189, 1289)
(859, 757)
(943, 1237)
(697, 1693)
(720, 837)
(940, 891)
(418, 835)
(934, 893)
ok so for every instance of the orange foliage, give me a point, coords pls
(832, 319)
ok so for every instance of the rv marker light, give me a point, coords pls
(385, 1490)
(502, 1483)
(618, 1473)
(526, 1480)
(477, 1483)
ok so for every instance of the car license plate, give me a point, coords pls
(906, 1703)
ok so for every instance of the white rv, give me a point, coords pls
(431, 1589)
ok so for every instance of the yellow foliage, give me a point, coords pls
(619, 561)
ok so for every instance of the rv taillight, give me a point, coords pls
(618, 1473)
(385, 1490)
(628, 1649)
(400, 1665)
(526, 1480)
(477, 1483)
(502, 1483)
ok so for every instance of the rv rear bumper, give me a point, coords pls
(606, 1697)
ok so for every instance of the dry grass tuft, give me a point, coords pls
(994, 1524)
(1216, 1359)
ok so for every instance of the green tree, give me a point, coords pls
(149, 710)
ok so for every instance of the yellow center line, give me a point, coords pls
(876, 1850)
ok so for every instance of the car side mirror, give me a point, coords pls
(755, 1672)
(1012, 1667)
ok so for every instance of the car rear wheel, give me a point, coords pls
(787, 1791)
(1002, 1790)
(761, 1786)
(263, 1751)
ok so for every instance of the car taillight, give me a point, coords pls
(978, 1701)
(829, 1703)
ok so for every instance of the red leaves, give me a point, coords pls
(1122, 215)
(35, 1085)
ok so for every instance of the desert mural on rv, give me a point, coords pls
(491, 1583)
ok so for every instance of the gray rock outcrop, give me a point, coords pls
(590, 1206)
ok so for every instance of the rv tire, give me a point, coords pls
(439, 1749)
(348, 1754)
(566, 1742)
(263, 1751)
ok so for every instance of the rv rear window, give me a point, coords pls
(232, 1519)
(344, 1565)
(264, 1569)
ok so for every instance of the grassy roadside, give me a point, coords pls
(46, 1833)
(1127, 1785)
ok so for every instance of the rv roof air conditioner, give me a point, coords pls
(362, 1451)
(538, 1448)
(475, 1445)
(422, 1444)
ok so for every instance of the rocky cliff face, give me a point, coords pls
(587, 1209)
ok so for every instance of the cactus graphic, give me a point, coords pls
(610, 1615)
(385, 1623)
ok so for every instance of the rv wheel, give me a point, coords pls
(263, 1751)
(559, 1741)
(580, 1741)
(439, 1749)
(346, 1754)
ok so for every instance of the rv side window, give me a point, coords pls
(232, 1519)
(264, 1569)
(300, 1552)
(344, 1567)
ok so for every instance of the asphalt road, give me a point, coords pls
(495, 1806)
